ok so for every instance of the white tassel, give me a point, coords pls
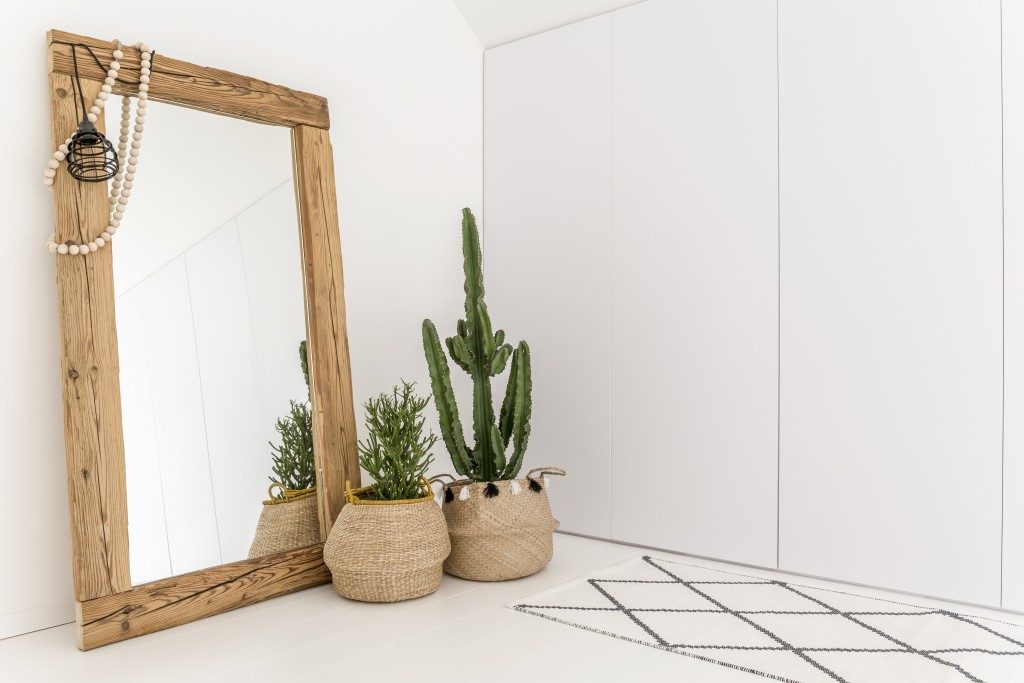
(547, 481)
(514, 488)
(464, 493)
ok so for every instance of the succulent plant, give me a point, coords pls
(483, 354)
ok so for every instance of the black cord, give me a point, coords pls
(78, 79)
(104, 69)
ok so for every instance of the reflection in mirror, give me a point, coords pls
(209, 310)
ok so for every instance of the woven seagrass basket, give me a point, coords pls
(499, 530)
(286, 523)
(387, 550)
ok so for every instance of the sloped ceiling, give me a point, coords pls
(500, 21)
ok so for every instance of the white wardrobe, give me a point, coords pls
(757, 248)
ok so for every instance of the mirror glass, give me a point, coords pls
(210, 314)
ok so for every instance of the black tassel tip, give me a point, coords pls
(535, 485)
(448, 495)
(491, 490)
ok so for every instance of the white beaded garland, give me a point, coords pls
(127, 149)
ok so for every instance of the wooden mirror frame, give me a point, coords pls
(109, 608)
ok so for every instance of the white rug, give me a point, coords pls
(785, 631)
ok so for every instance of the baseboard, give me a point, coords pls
(35, 619)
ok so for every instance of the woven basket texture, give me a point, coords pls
(287, 524)
(500, 538)
(387, 552)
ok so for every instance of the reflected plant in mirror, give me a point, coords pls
(293, 468)
(289, 517)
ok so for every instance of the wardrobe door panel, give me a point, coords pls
(176, 384)
(149, 554)
(695, 278)
(546, 244)
(1013, 482)
(891, 339)
(235, 423)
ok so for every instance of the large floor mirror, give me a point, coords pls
(208, 408)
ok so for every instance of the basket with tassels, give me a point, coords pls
(387, 550)
(288, 520)
(499, 530)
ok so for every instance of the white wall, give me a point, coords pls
(1013, 305)
(646, 288)
(695, 275)
(501, 21)
(891, 229)
(404, 81)
(885, 159)
(547, 251)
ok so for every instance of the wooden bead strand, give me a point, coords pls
(128, 145)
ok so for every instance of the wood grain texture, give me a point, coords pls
(334, 422)
(181, 599)
(89, 368)
(190, 85)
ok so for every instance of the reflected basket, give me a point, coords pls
(287, 521)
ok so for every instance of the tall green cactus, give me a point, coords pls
(483, 354)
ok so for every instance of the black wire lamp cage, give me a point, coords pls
(91, 157)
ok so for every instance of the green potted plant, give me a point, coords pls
(500, 524)
(289, 517)
(390, 539)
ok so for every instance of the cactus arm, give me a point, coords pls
(304, 361)
(507, 413)
(500, 359)
(522, 408)
(459, 352)
(444, 399)
(486, 335)
(498, 451)
(483, 422)
(471, 264)
(481, 339)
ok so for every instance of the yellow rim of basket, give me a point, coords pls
(352, 495)
(288, 495)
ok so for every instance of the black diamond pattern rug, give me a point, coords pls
(781, 630)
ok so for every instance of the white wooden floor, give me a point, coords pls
(461, 633)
